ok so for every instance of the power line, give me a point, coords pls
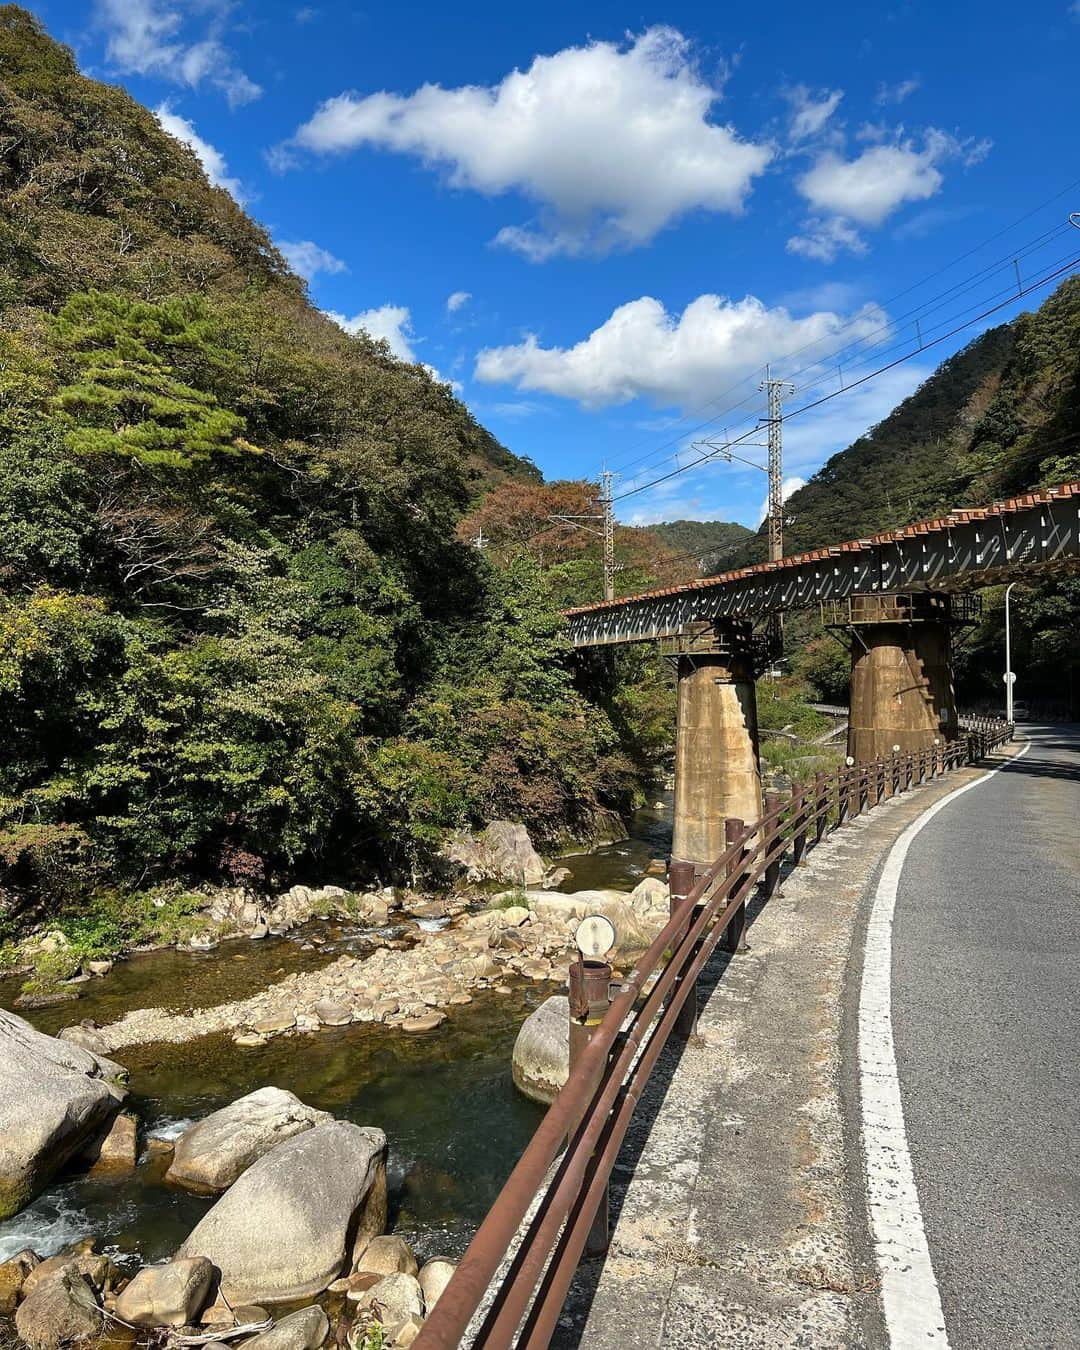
(854, 384)
(1069, 187)
(831, 360)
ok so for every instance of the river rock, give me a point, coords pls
(171, 1295)
(88, 1038)
(387, 1254)
(332, 1014)
(13, 1275)
(94, 1267)
(288, 1226)
(59, 1312)
(213, 1152)
(433, 1279)
(118, 1149)
(53, 1097)
(541, 1058)
(394, 1299)
(501, 852)
(633, 933)
(650, 894)
(303, 1330)
(425, 1022)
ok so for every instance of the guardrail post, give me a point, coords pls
(821, 806)
(589, 990)
(864, 789)
(801, 820)
(680, 884)
(772, 834)
(894, 775)
(909, 771)
(843, 794)
(734, 939)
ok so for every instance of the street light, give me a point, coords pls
(1010, 678)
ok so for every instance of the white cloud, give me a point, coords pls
(212, 160)
(642, 351)
(391, 324)
(870, 187)
(612, 142)
(824, 239)
(309, 259)
(143, 38)
(896, 93)
(790, 484)
(518, 410)
(457, 301)
(810, 111)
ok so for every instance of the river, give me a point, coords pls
(455, 1123)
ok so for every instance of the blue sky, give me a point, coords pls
(601, 221)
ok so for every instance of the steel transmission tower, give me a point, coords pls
(776, 389)
(605, 518)
(607, 505)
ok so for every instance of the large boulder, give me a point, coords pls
(54, 1096)
(541, 1059)
(303, 1330)
(501, 852)
(289, 1226)
(59, 1312)
(171, 1295)
(211, 1154)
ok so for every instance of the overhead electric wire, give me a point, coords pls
(1010, 293)
(862, 344)
(655, 451)
(854, 384)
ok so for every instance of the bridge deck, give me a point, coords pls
(1036, 532)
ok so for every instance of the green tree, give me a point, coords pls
(127, 396)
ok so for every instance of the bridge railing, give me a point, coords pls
(513, 1281)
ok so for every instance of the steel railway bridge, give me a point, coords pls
(898, 597)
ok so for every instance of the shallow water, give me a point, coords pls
(621, 865)
(455, 1123)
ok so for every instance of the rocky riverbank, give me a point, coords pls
(412, 986)
(300, 1227)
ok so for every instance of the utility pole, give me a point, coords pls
(605, 518)
(607, 505)
(776, 389)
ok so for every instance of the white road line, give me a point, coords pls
(909, 1291)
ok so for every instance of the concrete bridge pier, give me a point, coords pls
(901, 672)
(716, 742)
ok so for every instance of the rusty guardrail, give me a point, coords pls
(550, 1213)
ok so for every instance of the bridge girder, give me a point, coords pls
(1035, 534)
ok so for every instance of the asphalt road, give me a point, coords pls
(986, 1023)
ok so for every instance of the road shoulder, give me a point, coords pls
(739, 1203)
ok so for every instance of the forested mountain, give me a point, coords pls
(239, 638)
(1000, 416)
(712, 542)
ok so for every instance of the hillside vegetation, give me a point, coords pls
(999, 417)
(713, 543)
(240, 639)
